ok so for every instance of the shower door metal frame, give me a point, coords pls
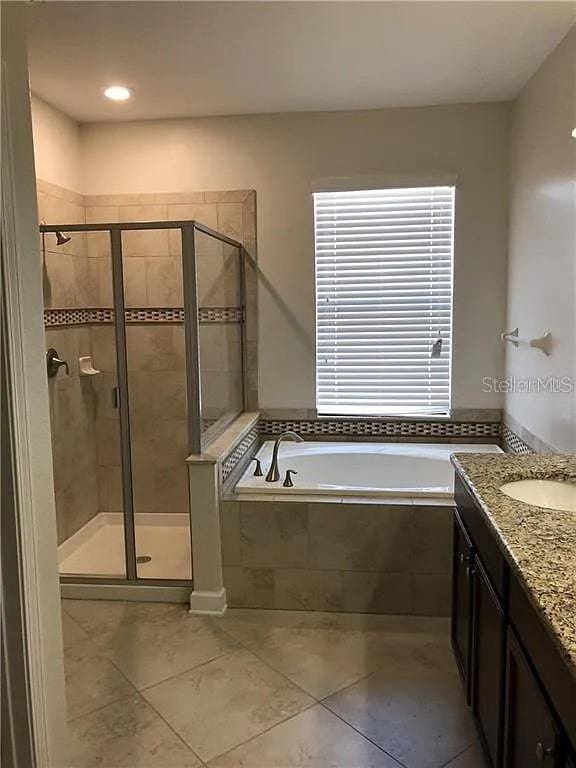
(196, 443)
(123, 404)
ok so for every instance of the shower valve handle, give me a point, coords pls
(54, 363)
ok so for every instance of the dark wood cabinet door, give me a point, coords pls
(531, 739)
(487, 664)
(461, 626)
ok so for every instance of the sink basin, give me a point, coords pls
(552, 494)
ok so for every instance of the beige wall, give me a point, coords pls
(56, 146)
(279, 156)
(542, 257)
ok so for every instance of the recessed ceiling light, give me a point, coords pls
(117, 93)
(574, 133)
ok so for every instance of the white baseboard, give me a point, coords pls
(210, 603)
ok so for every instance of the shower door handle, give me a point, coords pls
(115, 398)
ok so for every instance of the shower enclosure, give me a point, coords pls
(150, 369)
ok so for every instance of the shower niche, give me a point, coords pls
(148, 318)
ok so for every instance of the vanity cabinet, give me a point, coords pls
(461, 626)
(487, 657)
(522, 694)
(532, 739)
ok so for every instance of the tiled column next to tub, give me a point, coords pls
(227, 454)
(364, 557)
(69, 282)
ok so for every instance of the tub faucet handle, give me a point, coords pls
(258, 471)
(288, 479)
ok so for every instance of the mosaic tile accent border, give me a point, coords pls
(230, 462)
(221, 314)
(364, 428)
(511, 443)
(55, 318)
(154, 315)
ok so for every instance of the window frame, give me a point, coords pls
(343, 186)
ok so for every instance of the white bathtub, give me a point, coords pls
(380, 470)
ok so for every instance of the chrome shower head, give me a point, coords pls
(61, 238)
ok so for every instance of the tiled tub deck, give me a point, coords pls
(357, 557)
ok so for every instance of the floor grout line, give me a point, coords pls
(99, 709)
(174, 731)
(364, 736)
(239, 646)
(321, 699)
(266, 730)
(271, 666)
(103, 652)
(145, 701)
(455, 757)
(188, 669)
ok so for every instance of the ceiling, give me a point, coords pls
(218, 58)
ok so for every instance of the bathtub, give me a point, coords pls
(394, 471)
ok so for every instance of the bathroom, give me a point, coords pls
(309, 369)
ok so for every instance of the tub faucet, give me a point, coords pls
(273, 474)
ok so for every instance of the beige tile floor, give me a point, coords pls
(150, 686)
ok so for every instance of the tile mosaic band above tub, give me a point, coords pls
(512, 443)
(234, 458)
(55, 318)
(381, 428)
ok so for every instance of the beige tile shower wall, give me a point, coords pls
(68, 282)
(156, 354)
(365, 558)
(72, 408)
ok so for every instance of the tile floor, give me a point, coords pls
(150, 686)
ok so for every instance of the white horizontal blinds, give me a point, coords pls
(383, 294)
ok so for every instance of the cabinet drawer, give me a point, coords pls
(484, 541)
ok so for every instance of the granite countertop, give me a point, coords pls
(540, 544)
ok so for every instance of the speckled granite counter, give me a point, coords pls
(540, 544)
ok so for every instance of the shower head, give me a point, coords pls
(61, 238)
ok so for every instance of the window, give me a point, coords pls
(384, 301)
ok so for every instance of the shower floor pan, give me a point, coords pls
(97, 549)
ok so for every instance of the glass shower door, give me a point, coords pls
(158, 409)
